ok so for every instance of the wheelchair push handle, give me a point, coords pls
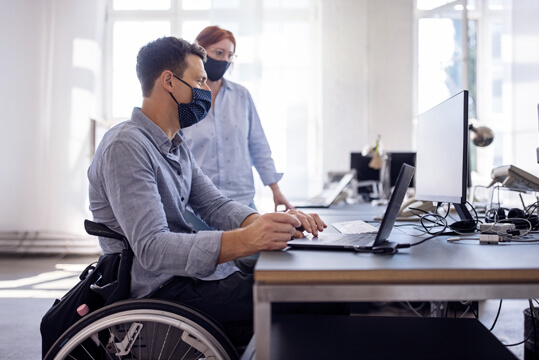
(97, 229)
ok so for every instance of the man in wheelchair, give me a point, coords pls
(142, 178)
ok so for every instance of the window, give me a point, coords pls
(460, 47)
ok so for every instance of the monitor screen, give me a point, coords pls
(394, 163)
(442, 152)
(361, 164)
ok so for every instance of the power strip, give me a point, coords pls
(498, 228)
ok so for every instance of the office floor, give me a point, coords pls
(29, 285)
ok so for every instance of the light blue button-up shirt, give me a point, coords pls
(140, 185)
(229, 141)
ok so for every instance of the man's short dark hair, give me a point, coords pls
(166, 53)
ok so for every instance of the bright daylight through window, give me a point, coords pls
(450, 60)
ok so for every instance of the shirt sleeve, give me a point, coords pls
(259, 148)
(129, 183)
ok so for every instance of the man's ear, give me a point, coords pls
(166, 80)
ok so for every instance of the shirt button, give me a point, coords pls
(183, 198)
(194, 231)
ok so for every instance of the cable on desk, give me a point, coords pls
(437, 219)
(494, 236)
(521, 240)
(404, 246)
(462, 226)
(430, 221)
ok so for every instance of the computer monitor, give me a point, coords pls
(394, 161)
(368, 179)
(363, 171)
(442, 154)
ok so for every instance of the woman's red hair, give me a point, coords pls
(214, 34)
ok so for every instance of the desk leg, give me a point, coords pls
(262, 313)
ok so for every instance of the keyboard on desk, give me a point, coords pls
(355, 227)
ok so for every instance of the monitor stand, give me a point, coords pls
(463, 212)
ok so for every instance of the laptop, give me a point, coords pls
(328, 196)
(376, 243)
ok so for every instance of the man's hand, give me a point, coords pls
(264, 232)
(312, 223)
(271, 231)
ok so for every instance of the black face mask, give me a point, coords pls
(196, 110)
(215, 68)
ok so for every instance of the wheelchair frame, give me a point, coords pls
(142, 329)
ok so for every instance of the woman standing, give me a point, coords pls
(231, 139)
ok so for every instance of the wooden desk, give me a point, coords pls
(435, 270)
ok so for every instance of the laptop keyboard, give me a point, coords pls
(355, 227)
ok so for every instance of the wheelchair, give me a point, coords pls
(142, 329)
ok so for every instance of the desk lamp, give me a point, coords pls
(481, 135)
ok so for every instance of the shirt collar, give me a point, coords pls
(156, 134)
(226, 84)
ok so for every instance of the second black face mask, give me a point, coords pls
(215, 68)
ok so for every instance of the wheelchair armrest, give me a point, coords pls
(97, 229)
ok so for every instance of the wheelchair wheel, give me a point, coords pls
(143, 330)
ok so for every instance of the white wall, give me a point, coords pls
(391, 72)
(48, 95)
(20, 96)
(367, 87)
(525, 85)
